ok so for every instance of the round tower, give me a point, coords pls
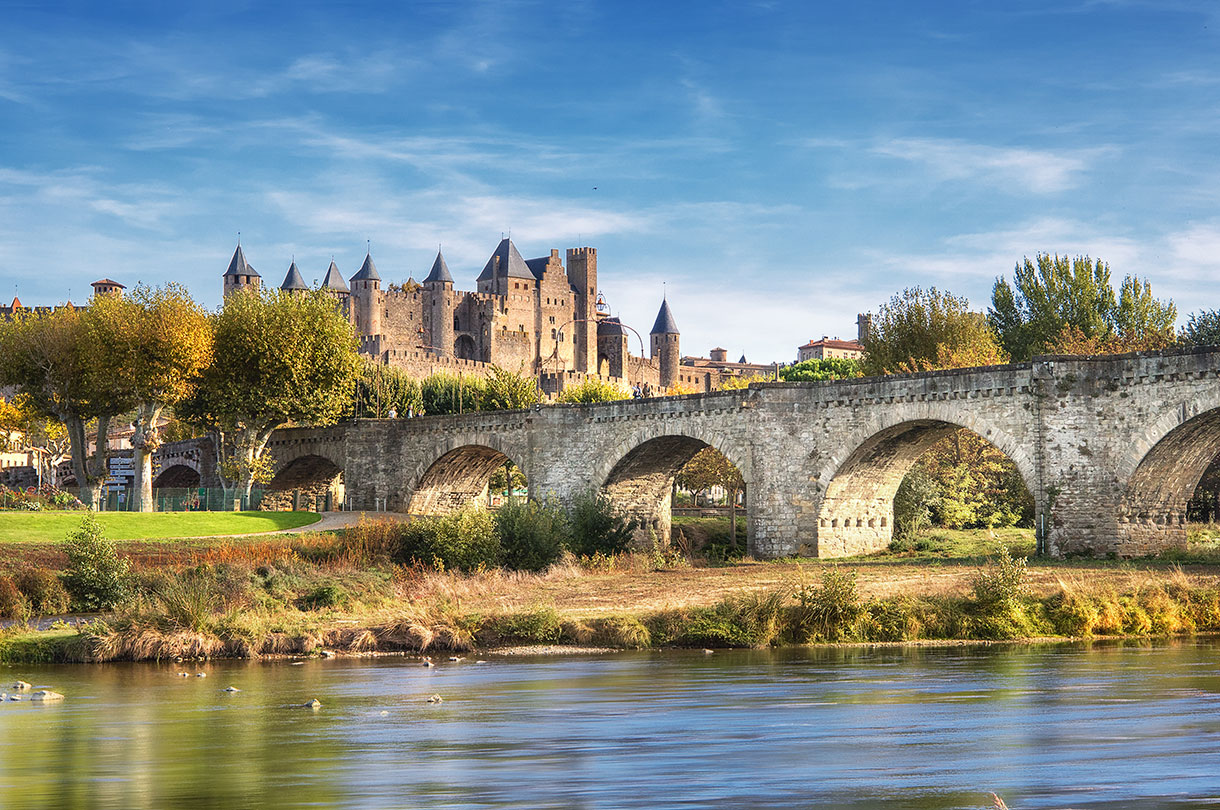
(366, 291)
(664, 344)
(438, 289)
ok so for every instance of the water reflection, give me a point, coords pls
(1130, 725)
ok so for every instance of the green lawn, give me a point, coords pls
(43, 527)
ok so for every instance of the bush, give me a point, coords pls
(12, 603)
(330, 595)
(532, 534)
(597, 528)
(464, 540)
(46, 595)
(592, 391)
(189, 602)
(827, 611)
(96, 576)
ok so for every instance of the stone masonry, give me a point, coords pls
(1110, 447)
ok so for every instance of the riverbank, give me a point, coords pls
(309, 593)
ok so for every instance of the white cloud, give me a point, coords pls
(1036, 171)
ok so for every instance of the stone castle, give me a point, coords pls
(532, 316)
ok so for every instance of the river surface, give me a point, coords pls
(1121, 725)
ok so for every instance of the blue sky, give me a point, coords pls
(780, 166)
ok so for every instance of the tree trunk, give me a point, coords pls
(83, 466)
(144, 442)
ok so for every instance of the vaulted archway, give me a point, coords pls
(310, 482)
(459, 478)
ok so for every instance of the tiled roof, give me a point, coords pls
(238, 266)
(367, 271)
(505, 261)
(828, 343)
(334, 279)
(293, 280)
(440, 270)
(665, 321)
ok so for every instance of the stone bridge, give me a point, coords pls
(1111, 449)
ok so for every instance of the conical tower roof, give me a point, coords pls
(367, 271)
(665, 321)
(293, 280)
(334, 279)
(440, 270)
(506, 261)
(238, 266)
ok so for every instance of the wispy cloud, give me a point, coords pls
(1033, 170)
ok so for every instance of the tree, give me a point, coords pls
(592, 390)
(505, 390)
(278, 359)
(817, 369)
(1202, 329)
(922, 330)
(1057, 303)
(164, 339)
(738, 382)
(446, 393)
(710, 468)
(382, 389)
(63, 363)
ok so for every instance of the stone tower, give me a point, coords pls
(240, 275)
(366, 291)
(664, 344)
(438, 295)
(582, 275)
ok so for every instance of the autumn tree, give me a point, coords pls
(163, 340)
(1063, 305)
(64, 364)
(922, 330)
(278, 359)
(44, 438)
(710, 468)
(448, 393)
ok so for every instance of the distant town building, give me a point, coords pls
(829, 347)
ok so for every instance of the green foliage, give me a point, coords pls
(532, 534)
(465, 540)
(921, 330)
(96, 576)
(381, 388)
(538, 625)
(1056, 294)
(44, 592)
(827, 611)
(1202, 329)
(830, 368)
(506, 390)
(446, 393)
(278, 358)
(597, 528)
(753, 619)
(592, 390)
(326, 595)
(188, 601)
(12, 602)
(913, 503)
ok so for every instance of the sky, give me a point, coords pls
(774, 168)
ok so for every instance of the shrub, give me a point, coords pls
(96, 576)
(44, 592)
(464, 540)
(532, 534)
(189, 602)
(829, 610)
(596, 527)
(1003, 582)
(538, 625)
(330, 595)
(12, 603)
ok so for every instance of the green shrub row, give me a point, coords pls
(522, 535)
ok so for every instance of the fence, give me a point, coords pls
(183, 499)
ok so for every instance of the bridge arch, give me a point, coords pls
(638, 474)
(303, 481)
(856, 512)
(1159, 474)
(182, 474)
(458, 475)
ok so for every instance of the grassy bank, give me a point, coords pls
(297, 594)
(50, 527)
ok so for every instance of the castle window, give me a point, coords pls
(553, 334)
(455, 323)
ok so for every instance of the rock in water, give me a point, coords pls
(14, 697)
(46, 696)
(230, 689)
(429, 664)
(436, 699)
(20, 686)
(314, 704)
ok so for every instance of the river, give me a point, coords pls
(1122, 725)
